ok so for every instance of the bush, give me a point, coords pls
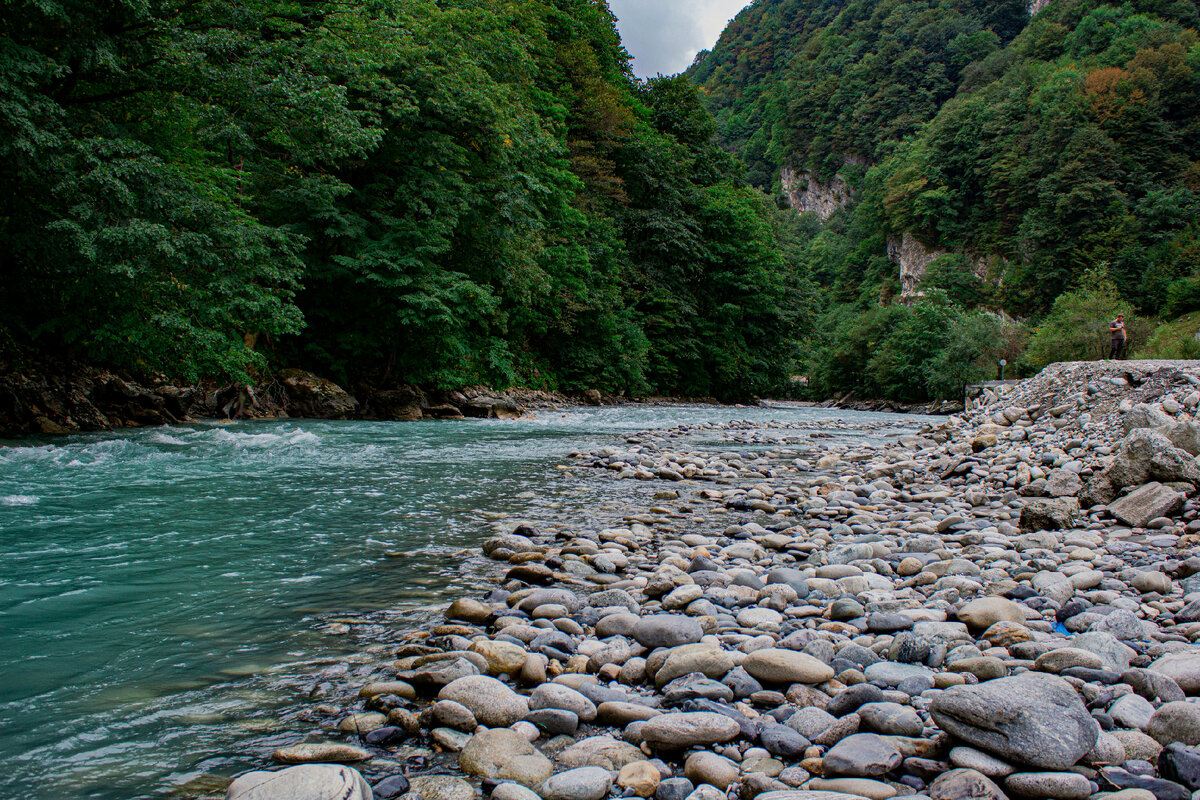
(1077, 327)
(977, 342)
(1183, 296)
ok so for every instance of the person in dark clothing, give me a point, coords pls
(1116, 329)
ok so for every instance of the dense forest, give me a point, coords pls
(1042, 173)
(444, 192)
(450, 193)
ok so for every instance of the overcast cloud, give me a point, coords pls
(663, 36)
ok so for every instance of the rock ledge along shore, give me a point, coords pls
(1006, 604)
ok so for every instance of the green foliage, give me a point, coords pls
(930, 349)
(976, 343)
(1050, 149)
(1174, 339)
(1077, 327)
(446, 192)
(1183, 296)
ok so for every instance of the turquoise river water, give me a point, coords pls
(171, 599)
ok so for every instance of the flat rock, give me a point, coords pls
(305, 782)
(317, 752)
(681, 730)
(987, 611)
(1146, 503)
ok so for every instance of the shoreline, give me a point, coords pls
(89, 399)
(800, 625)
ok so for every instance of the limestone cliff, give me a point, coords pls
(805, 193)
(913, 258)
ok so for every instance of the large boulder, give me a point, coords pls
(1144, 415)
(402, 403)
(313, 396)
(1146, 503)
(1144, 455)
(1033, 718)
(305, 782)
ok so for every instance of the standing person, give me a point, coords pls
(1116, 329)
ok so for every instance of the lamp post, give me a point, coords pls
(1003, 364)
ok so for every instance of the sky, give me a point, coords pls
(665, 35)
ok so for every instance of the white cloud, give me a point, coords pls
(663, 36)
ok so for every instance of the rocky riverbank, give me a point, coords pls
(87, 398)
(91, 399)
(1003, 605)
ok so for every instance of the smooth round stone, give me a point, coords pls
(513, 791)
(759, 617)
(1183, 668)
(846, 609)
(891, 719)
(1050, 785)
(641, 778)
(504, 754)
(1176, 722)
(667, 630)
(557, 696)
(673, 789)
(493, 704)
(469, 610)
(554, 721)
(584, 783)
(390, 787)
(885, 622)
(398, 688)
(1146, 582)
(774, 665)
(454, 715)
(846, 788)
(862, 755)
(1132, 711)
(600, 751)
(710, 768)
(987, 611)
(362, 723)
(985, 668)
(503, 658)
(618, 714)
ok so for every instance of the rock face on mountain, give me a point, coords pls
(808, 194)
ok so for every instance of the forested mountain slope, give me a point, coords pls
(445, 192)
(970, 158)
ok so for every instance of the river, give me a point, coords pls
(172, 599)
